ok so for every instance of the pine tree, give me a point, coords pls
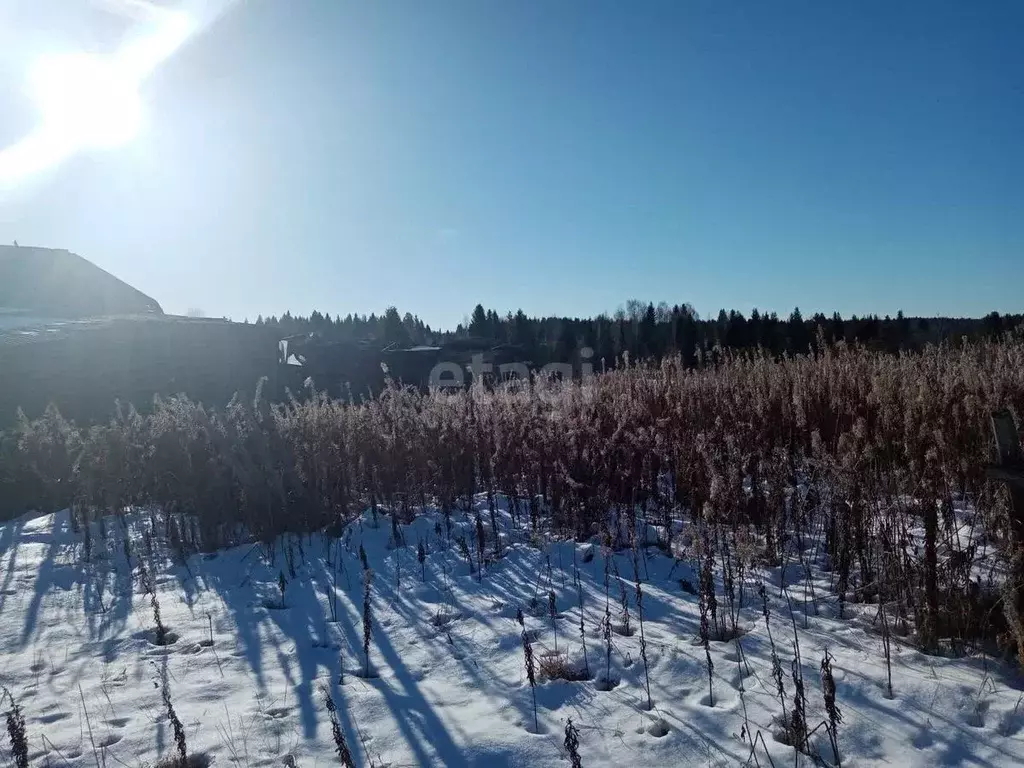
(478, 324)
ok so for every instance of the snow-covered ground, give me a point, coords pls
(77, 654)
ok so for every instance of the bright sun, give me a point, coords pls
(91, 102)
(85, 100)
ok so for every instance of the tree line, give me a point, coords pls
(647, 331)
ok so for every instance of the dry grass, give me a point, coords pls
(556, 665)
(873, 453)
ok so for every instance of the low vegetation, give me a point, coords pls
(878, 452)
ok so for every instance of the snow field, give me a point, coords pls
(447, 685)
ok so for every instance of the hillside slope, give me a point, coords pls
(56, 283)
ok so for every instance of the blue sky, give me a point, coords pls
(559, 156)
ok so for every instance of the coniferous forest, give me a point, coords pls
(645, 331)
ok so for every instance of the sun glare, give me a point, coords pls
(86, 99)
(90, 102)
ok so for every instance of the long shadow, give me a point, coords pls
(121, 594)
(958, 733)
(244, 619)
(432, 730)
(350, 729)
(551, 696)
(416, 719)
(300, 622)
(50, 575)
(461, 650)
(704, 725)
(10, 537)
(112, 617)
(514, 582)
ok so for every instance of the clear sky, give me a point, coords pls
(561, 156)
